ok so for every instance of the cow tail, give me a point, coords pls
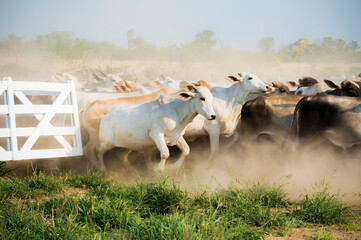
(294, 119)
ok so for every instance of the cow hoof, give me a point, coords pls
(176, 166)
(159, 168)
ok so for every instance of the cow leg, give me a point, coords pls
(89, 153)
(234, 139)
(148, 157)
(159, 141)
(123, 154)
(214, 132)
(100, 155)
(183, 146)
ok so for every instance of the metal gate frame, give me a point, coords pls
(63, 93)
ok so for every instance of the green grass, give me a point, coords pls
(322, 207)
(92, 207)
(3, 169)
(322, 235)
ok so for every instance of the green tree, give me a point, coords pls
(12, 45)
(135, 42)
(352, 46)
(266, 45)
(205, 39)
(301, 49)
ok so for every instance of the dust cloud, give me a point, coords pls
(243, 163)
(297, 170)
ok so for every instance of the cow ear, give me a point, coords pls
(189, 87)
(203, 84)
(155, 83)
(291, 83)
(331, 84)
(185, 95)
(232, 79)
(121, 88)
(98, 77)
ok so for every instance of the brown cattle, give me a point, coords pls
(268, 115)
(281, 88)
(347, 88)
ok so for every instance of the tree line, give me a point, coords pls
(65, 45)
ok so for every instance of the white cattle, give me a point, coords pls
(158, 123)
(227, 103)
(168, 82)
(85, 98)
(91, 115)
(316, 88)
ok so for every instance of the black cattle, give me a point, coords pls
(335, 118)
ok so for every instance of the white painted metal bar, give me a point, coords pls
(75, 118)
(6, 156)
(4, 109)
(13, 137)
(27, 131)
(38, 86)
(45, 154)
(41, 109)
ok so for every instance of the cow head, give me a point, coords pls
(292, 84)
(350, 88)
(251, 83)
(281, 87)
(202, 98)
(306, 82)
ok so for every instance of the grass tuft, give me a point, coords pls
(322, 207)
(3, 170)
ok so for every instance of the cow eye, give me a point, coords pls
(250, 78)
(203, 99)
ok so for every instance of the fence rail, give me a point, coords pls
(18, 104)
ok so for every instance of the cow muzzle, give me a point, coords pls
(212, 117)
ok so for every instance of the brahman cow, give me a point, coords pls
(271, 116)
(91, 115)
(268, 116)
(227, 103)
(158, 123)
(337, 119)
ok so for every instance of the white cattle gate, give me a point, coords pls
(20, 141)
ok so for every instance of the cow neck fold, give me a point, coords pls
(186, 112)
(237, 94)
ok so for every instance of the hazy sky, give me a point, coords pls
(165, 22)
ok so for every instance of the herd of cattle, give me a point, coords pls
(119, 112)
